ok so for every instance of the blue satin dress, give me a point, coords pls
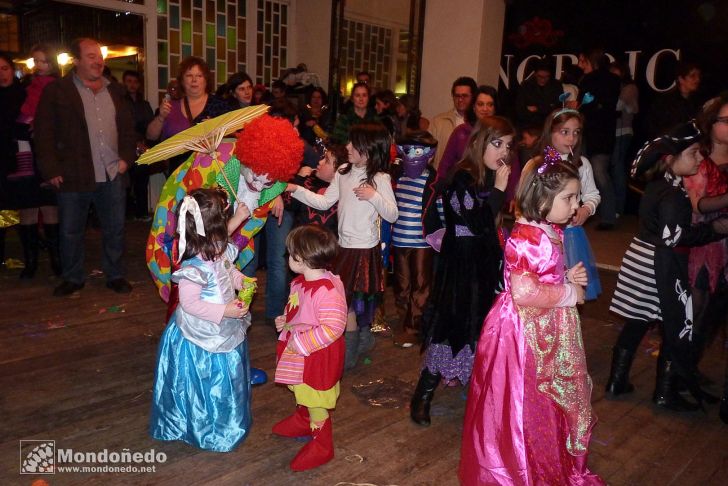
(577, 249)
(202, 384)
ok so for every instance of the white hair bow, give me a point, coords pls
(189, 204)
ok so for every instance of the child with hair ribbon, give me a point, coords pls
(364, 192)
(562, 131)
(528, 418)
(202, 384)
(310, 351)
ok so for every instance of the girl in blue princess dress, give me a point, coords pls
(562, 131)
(202, 383)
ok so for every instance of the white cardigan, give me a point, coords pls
(358, 220)
(589, 193)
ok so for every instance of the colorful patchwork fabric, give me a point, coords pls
(199, 170)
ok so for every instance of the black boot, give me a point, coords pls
(420, 404)
(666, 395)
(723, 413)
(2, 248)
(618, 382)
(29, 238)
(52, 237)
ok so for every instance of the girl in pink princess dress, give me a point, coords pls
(528, 418)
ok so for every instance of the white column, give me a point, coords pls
(461, 38)
(311, 37)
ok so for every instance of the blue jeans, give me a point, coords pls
(109, 200)
(600, 164)
(619, 171)
(276, 284)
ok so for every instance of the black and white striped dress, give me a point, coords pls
(635, 296)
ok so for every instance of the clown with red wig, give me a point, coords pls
(266, 153)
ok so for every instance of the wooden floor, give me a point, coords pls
(79, 370)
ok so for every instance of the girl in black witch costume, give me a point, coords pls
(468, 272)
(653, 282)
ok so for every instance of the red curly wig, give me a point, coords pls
(270, 146)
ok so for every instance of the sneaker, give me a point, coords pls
(119, 285)
(66, 288)
(405, 339)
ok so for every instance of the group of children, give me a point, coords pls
(498, 313)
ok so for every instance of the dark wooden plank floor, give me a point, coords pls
(79, 370)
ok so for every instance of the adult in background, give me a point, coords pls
(315, 113)
(600, 118)
(278, 90)
(409, 116)
(26, 190)
(196, 104)
(627, 108)
(12, 95)
(84, 136)
(384, 104)
(261, 95)
(538, 96)
(362, 77)
(484, 106)
(143, 114)
(678, 104)
(462, 91)
(238, 91)
(570, 81)
(358, 113)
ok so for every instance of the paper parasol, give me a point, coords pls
(203, 137)
(8, 218)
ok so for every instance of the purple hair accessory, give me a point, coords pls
(551, 156)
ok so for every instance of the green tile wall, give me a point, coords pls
(213, 29)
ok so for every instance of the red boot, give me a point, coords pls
(317, 452)
(297, 425)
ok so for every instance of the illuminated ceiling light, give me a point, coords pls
(63, 58)
(104, 51)
(30, 63)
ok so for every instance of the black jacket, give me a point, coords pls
(600, 116)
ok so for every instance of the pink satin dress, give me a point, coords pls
(528, 419)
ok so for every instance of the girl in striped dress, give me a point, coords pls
(311, 350)
(653, 282)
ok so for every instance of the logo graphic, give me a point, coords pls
(37, 457)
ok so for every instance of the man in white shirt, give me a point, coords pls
(444, 123)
